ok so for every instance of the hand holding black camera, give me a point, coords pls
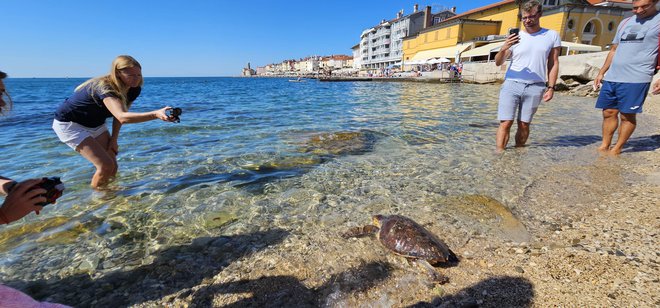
(54, 189)
(174, 114)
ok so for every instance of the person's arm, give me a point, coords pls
(505, 51)
(553, 72)
(656, 87)
(22, 199)
(606, 66)
(119, 111)
(113, 143)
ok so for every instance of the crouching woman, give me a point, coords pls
(80, 120)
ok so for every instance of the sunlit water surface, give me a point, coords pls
(249, 154)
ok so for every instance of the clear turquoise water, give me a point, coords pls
(239, 161)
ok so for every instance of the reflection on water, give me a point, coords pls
(255, 154)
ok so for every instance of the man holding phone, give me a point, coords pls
(531, 77)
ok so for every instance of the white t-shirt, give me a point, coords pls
(529, 58)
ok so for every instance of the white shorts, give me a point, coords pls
(73, 134)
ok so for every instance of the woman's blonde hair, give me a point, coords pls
(111, 83)
(3, 75)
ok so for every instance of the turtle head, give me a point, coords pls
(377, 219)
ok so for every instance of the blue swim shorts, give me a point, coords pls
(524, 98)
(623, 96)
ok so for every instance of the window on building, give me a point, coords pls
(387, 45)
(387, 36)
(589, 27)
(550, 2)
(387, 55)
(570, 24)
(610, 26)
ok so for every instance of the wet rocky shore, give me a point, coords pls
(582, 234)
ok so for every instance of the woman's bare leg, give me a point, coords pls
(95, 151)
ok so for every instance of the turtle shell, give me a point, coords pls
(407, 238)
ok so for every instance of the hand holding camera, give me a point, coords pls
(54, 189)
(174, 114)
(29, 196)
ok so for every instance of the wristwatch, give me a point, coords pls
(554, 87)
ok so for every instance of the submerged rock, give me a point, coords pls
(219, 219)
(340, 143)
(13, 237)
(284, 163)
(493, 214)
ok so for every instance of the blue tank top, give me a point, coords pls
(88, 109)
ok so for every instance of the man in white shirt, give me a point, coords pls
(531, 76)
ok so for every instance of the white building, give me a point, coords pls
(357, 59)
(382, 46)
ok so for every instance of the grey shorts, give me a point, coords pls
(523, 97)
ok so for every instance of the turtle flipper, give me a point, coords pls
(452, 256)
(360, 231)
(435, 275)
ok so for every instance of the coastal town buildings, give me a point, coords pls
(582, 27)
(357, 59)
(247, 71)
(335, 62)
(312, 65)
(423, 37)
(381, 46)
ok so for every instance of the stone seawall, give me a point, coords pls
(583, 68)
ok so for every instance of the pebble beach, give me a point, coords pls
(593, 242)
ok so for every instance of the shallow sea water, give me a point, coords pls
(250, 156)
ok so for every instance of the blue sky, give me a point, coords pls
(79, 38)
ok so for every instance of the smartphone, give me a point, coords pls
(515, 31)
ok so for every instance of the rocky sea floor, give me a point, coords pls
(576, 233)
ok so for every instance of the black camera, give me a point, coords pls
(54, 188)
(175, 113)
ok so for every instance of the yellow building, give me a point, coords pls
(575, 23)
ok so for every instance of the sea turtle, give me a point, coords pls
(406, 238)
